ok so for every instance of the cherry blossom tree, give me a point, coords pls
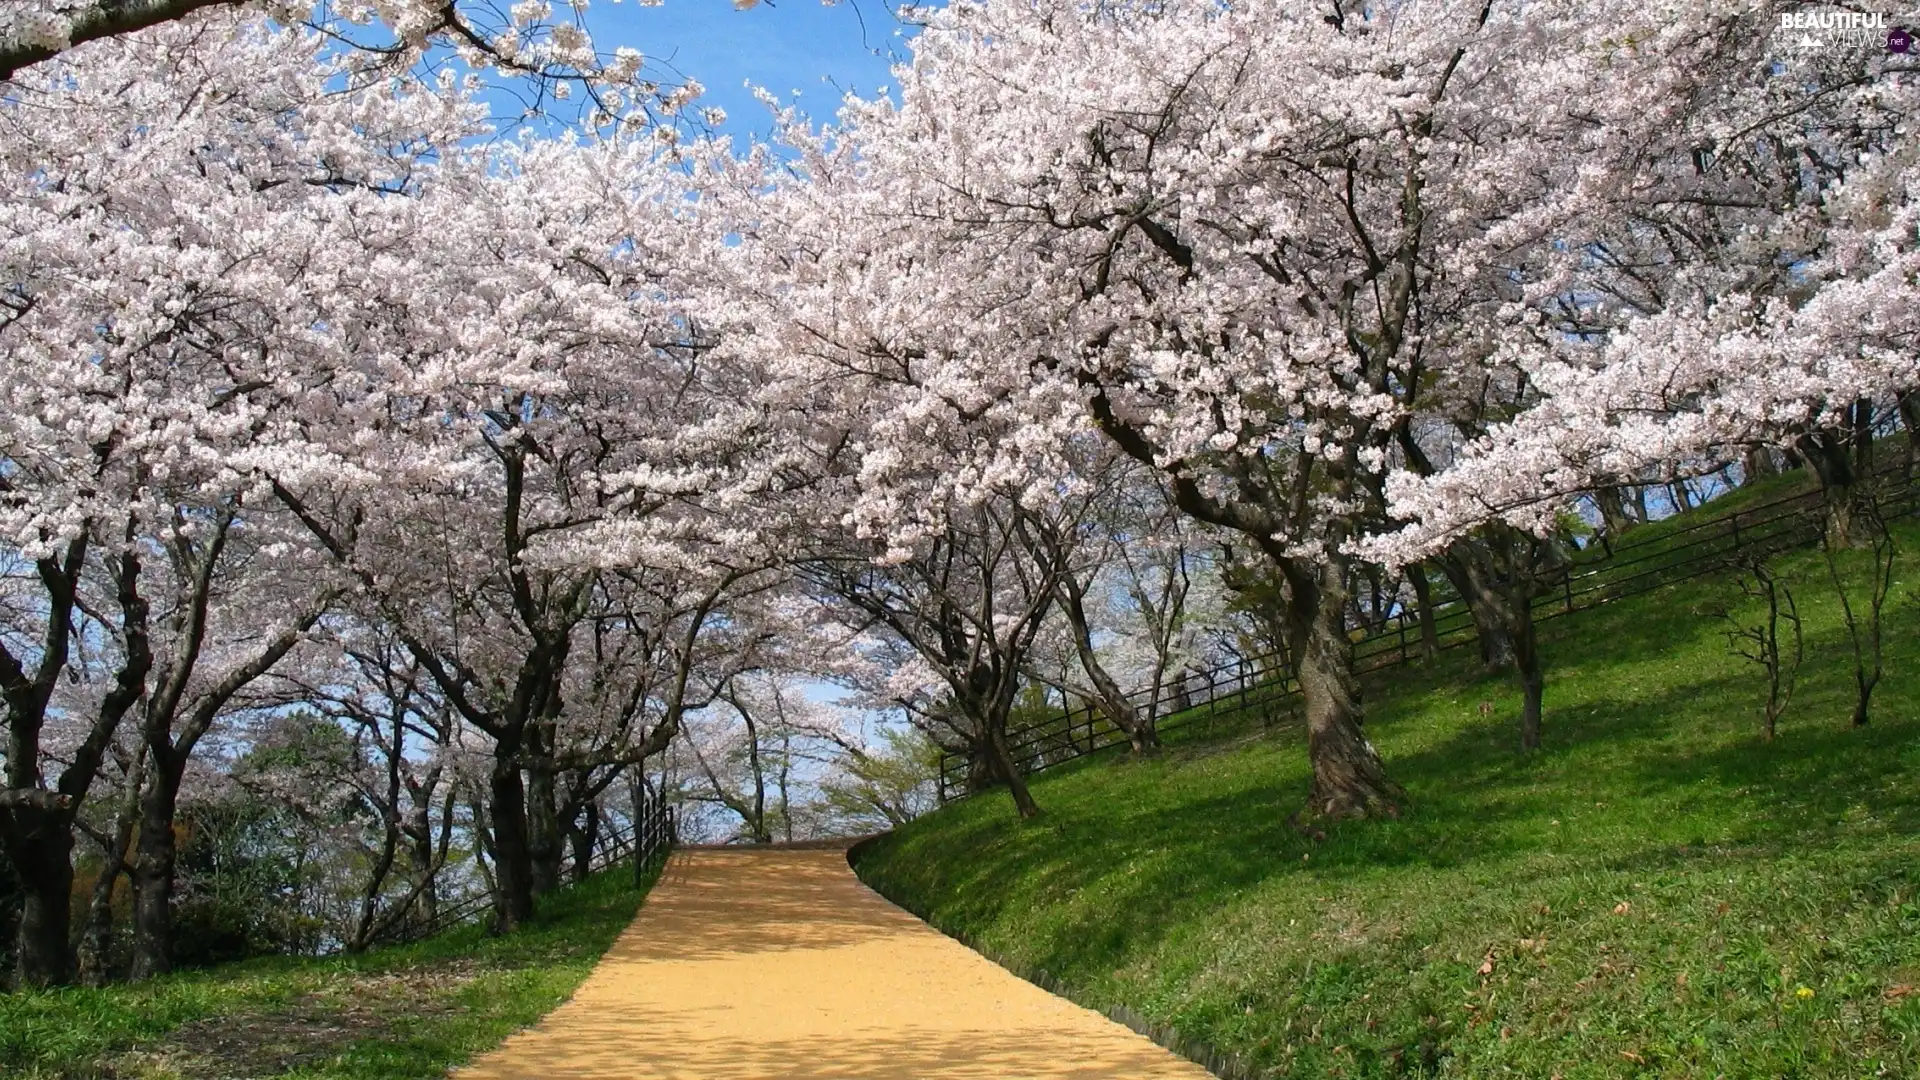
(344, 366)
(1740, 291)
(1732, 295)
(163, 256)
(393, 760)
(956, 617)
(880, 778)
(1076, 547)
(523, 41)
(752, 750)
(544, 460)
(1250, 246)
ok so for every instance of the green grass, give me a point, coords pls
(1656, 893)
(409, 1011)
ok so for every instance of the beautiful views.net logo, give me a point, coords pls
(1848, 29)
(1832, 28)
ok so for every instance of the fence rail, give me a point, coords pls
(1637, 563)
(651, 836)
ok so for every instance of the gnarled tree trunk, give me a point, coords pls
(1483, 602)
(1000, 757)
(546, 844)
(40, 845)
(1349, 779)
(1113, 702)
(1828, 456)
(154, 861)
(512, 860)
(1613, 511)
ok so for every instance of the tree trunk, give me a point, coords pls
(1863, 697)
(1141, 736)
(420, 850)
(96, 942)
(980, 769)
(1839, 515)
(582, 832)
(1910, 419)
(42, 856)
(1483, 602)
(1863, 436)
(1756, 463)
(757, 823)
(1349, 780)
(483, 848)
(786, 796)
(36, 825)
(1423, 596)
(96, 946)
(1002, 759)
(363, 926)
(1613, 511)
(153, 870)
(1139, 730)
(512, 861)
(1833, 465)
(1501, 572)
(546, 844)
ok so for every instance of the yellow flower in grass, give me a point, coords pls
(1803, 993)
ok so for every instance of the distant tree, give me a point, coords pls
(884, 782)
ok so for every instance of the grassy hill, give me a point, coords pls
(392, 1014)
(1657, 893)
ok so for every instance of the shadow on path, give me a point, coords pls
(779, 963)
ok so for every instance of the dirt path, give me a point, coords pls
(781, 965)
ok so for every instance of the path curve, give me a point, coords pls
(780, 965)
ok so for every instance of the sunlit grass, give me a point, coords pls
(1656, 893)
(392, 1014)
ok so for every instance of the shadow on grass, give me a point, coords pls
(1151, 841)
(395, 1013)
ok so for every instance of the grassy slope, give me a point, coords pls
(1657, 893)
(396, 1013)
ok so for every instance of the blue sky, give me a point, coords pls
(821, 51)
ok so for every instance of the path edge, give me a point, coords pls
(1223, 1065)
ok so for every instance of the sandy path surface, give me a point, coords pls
(780, 964)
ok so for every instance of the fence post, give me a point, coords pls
(1402, 620)
(1567, 585)
(640, 821)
